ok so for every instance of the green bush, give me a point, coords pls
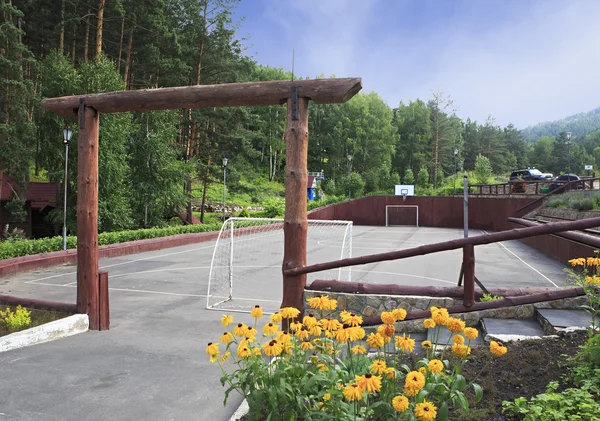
(18, 319)
(581, 201)
(275, 207)
(244, 213)
(17, 248)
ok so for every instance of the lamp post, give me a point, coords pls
(67, 133)
(569, 150)
(454, 184)
(224, 185)
(349, 172)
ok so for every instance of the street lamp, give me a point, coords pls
(224, 185)
(569, 149)
(67, 133)
(349, 171)
(454, 184)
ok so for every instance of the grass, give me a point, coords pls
(38, 317)
(244, 191)
(578, 200)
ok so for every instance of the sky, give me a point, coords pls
(518, 61)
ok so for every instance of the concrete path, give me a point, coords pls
(151, 364)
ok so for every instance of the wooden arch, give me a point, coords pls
(295, 93)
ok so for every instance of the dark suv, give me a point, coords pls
(564, 178)
(527, 175)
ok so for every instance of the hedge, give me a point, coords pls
(17, 248)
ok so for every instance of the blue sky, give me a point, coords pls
(520, 61)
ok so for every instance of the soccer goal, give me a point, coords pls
(248, 256)
(401, 215)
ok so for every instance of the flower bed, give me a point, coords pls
(16, 319)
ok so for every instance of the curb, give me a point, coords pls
(242, 410)
(72, 325)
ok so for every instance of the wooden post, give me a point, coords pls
(87, 214)
(103, 307)
(295, 227)
(469, 275)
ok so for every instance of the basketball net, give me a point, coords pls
(404, 197)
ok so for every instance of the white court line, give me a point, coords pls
(403, 274)
(525, 263)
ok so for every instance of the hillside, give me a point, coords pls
(578, 124)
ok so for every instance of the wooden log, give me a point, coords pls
(103, 298)
(469, 275)
(513, 234)
(506, 302)
(37, 304)
(322, 91)
(328, 286)
(87, 215)
(295, 226)
(587, 239)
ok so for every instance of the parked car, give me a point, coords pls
(530, 174)
(563, 178)
(548, 176)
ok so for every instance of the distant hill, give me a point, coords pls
(578, 124)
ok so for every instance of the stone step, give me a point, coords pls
(505, 330)
(560, 320)
(445, 337)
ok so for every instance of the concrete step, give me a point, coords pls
(445, 337)
(559, 320)
(511, 329)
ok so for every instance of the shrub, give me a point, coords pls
(483, 169)
(490, 297)
(275, 207)
(244, 213)
(409, 177)
(18, 319)
(423, 178)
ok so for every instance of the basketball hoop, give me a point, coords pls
(404, 197)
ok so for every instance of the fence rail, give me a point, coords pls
(531, 187)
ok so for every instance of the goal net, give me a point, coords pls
(401, 215)
(248, 257)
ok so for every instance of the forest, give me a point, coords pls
(153, 163)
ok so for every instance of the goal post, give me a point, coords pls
(401, 215)
(246, 267)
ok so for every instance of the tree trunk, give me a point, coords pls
(121, 43)
(207, 174)
(100, 28)
(129, 50)
(61, 40)
(86, 45)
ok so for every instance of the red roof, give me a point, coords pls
(40, 194)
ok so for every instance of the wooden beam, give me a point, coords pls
(322, 91)
(87, 215)
(295, 225)
(38, 304)
(469, 275)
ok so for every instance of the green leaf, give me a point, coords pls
(478, 392)
(443, 412)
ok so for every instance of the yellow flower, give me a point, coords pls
(251, 333)
(302, 333)
(386, 330)
(378, 366)
(322, 367)
(399, 314)
(289, 312)
(329, 304)
(471, 333)
(422, 370)
(593, 279)
(497, 348)
(240, 330)
(358, 350)
(390, 373)
(226, 338)
(405, 343)
(400, 403)
(305, 346)
(435, 366)
(309, 320)
(461, 350)
(256, 312)
(212, 349)
(375, 340)
(272, 348)
(294, 326)
(429, 323)
(455, 325)
(225, 356)
(276, 317)
(342, 335)
(426, 344)
(353, 393)
(316, 302)
(458, 339)
(270, 329)
(330, 325)
(593, 261)
(439, 315)
(243, 352)
(426, 411)
(315, 330)
(256, 352)
(326, 397)
(414, 380)
(369, 383)
(288, 348)
(355, 333)
(580, 261)
(226, 320)
(284, 337)
(214, 358)
(351, 319)
(388, 318)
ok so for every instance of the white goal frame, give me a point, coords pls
(276, 224)
(387, 223)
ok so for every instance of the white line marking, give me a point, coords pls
(403, 274)
(525, 263)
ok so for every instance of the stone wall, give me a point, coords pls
(368, 305)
